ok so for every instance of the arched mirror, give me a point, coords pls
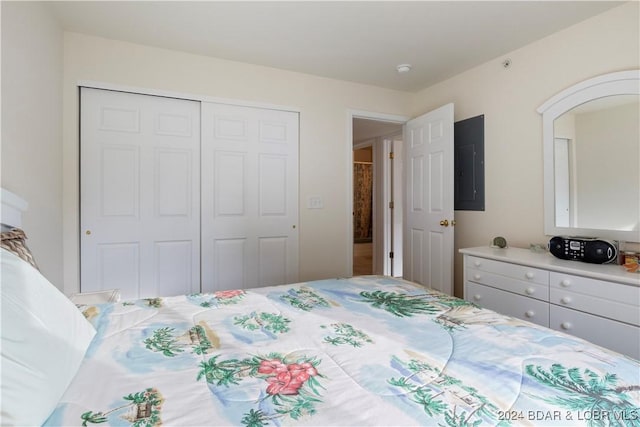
(591, 141)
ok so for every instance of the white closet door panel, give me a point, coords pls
(119, 119)
(273, 131)
(272, 183)
(173, 267)
(118, 265)
(230, 183)
(228, 262)
(249, 197)
(272, 260)
(173, 184)
(230, 128)
(140, 193)
(174, 124)
(119, 181)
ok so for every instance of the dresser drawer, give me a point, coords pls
(514, 271)
(508, 303)
(608, 333)
(611, 300)
(509, 284)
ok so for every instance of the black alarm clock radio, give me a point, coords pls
(594, 251)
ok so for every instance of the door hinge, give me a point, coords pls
(390, 205)
(391, 255)
(391, 155)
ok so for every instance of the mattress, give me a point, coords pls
(359, 351)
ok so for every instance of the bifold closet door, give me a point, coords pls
(140, 193)
(249, 197)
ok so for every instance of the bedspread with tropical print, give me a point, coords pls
(344, 352)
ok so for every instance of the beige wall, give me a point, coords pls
(37, 164)
(513, 129)
(325, 169)
(32, 126)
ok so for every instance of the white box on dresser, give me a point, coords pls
(596, 302)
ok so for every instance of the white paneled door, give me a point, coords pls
(140, 193)
(249, 197)
(429, 177)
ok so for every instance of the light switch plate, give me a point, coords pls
(315, 202)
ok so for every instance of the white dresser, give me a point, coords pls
(600, 303)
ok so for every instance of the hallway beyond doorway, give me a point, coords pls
(362, 259)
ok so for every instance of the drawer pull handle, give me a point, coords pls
(565, 300)
(477, 263)
(477, 276)
(529, 291)
(566, 326)
(477, 297)
(565, 283)
(530, 313)
(529, 275)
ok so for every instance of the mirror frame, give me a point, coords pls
(618, 83)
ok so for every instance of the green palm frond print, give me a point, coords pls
(343, 333)
(401, 305)
(166, 341)
(154, 302)
(304, 299)
(427, 385)
(143, 410)
(270, 322)
(255, 418)
(91, 417)
(585, 390)
(201, 343)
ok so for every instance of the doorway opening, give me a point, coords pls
(377, 197)
(363, 210)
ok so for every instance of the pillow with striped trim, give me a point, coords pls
(15, 242)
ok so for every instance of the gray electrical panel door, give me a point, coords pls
(468, 144)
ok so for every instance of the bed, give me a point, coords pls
(355, 351)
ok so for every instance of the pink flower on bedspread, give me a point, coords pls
(302, 371)
(273, 366)
(228, 294)
(283, 383)
(287, 379)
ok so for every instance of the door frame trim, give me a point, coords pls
(359, 114)
(183, 95)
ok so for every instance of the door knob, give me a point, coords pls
(444, 223)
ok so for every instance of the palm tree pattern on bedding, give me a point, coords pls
(359, 351)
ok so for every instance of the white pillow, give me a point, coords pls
(44, 339)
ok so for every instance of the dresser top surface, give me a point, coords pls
(609, 272)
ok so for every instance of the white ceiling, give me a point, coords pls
(356, 41)
(365, 129)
